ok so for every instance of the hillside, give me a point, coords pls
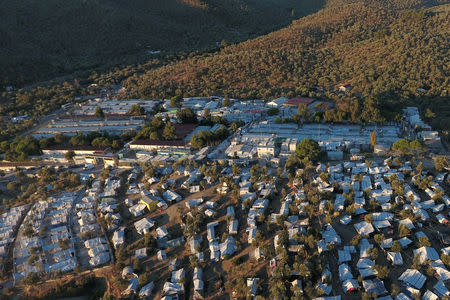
(43, 39)
(385, 49)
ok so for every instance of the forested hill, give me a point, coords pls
(41, 39)
(387, 50)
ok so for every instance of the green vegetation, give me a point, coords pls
(99, 112)
(309, 149)
(31, 278)
(273, 111)
(44, 39)
(176, 101)
(36, 103)
(311, 57)
(157, 129)
(20, 148)
(169, 131)
(440, 163)
(136, 110)
(323, 50)
(405, 146)
(187, 116)
(208, 138)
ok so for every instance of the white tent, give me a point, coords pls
(350, 285)
(440, 289)
(413, 278)
(429, 295)
(345, 272)
(395, 258)
(363, 228)
(344, 256)
(146, 290)
(426, 253)
(143, 226)
(441, 271)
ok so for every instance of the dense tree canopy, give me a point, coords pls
(186, 115)
(89, 34)
(308, 148)
(322, 51)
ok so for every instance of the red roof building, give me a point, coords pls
(183, 130)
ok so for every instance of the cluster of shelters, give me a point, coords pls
(98, 251)
(331, 137)
(73, 127)
(90, 233)
(414, 124)
(88, 155)
(174, 288)
(369, 185)
(267, 139)
(107, 204)
(241, 110)
(45, 242)
(199, 104)
(8, 224)
(114, 107)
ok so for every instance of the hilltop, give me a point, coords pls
(40, 40)
(387, 50)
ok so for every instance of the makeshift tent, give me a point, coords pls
(344, 272)
(413, 278)
(395, 258)
(350, 285)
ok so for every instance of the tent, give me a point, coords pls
(324, 287)
(350, 285)
(441, 271)
(381, 224)
(331, 236)
(413, 278)
(363, 228)
(345, 220)
(367, 272)
(387, 243)
(146, 290)
(404, 242)
(440, 289)
(344, 256)
(374, 286)
(178, 275)
(364, 247)
(364, 263)
(395, 258)
(426, 253)
(345, 272)
(429, 295)
(402, 296)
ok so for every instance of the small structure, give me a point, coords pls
(395, 258)
(426, 253)
(141, 253)
(161, 255)
(144, 225)
(413, 278)
(364, 228)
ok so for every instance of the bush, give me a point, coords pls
(273, 111)
(382, 271)
(238, 260)
(31, 278)
(396, 247)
